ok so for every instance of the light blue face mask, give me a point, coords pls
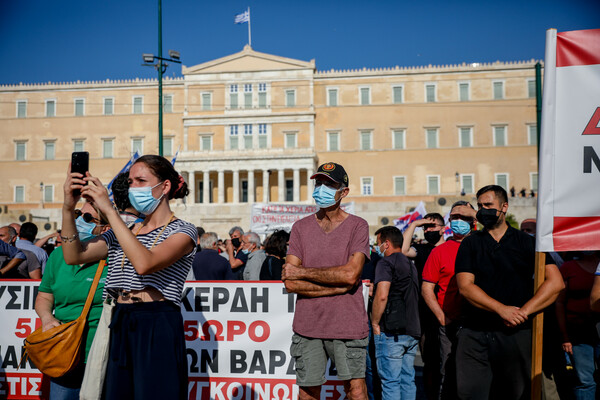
(246, 251)
(460, 227)
(379, 252)
(84, 229)
(324, 196)
(142, 200)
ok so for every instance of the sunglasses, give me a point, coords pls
(87, 217)
(457, 217)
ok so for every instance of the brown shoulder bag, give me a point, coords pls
(58, 350)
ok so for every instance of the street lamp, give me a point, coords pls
(161, 68)
(42, 193)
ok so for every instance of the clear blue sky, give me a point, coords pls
(69, 40)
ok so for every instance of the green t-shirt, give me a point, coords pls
(70, 285)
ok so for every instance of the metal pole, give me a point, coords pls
(160, 72)
(249, 31)
(538, 104)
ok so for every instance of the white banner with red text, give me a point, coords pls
(237, 335)
(569, 184)
(267, 217)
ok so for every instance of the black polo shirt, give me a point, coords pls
(503, 270)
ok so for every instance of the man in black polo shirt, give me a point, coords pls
(494, 272)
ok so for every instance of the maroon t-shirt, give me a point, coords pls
(330, 317)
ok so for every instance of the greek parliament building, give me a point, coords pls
(252, 127)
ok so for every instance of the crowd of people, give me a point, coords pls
(466, 301)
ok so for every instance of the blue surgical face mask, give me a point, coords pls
(246, 251)
(379, 252)
(460, 227)
(142, 200)
(84, 229)
(324, 196)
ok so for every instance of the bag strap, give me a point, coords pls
(92, 292)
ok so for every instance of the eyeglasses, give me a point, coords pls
(458, 216)
(87, 217)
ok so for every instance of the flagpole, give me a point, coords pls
(249, 31)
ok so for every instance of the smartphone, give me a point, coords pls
(80, 162)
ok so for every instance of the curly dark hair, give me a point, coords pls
(276, 244)
(120, 189)
(163, 169)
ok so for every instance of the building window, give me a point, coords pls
(466, 183)
(49, 148)
(20, 151)
(366, 186)
(50, 108)
(399, 139)
(79, 107)
(291, 140)
(498, 90)
(206, 101)
(466, 136)
(533, 181)
(463, 91)
(248, 95)
(365, 96)
(206, 142)
(289, 190)
(290, 98)
(262, 95)
(501, 180)
(244, 191)
(22, 109)
(107, 148)
(168, 146)
(432, 138)
(430, 93)
(233, 137)
(109, 106)
(397, 94)
(333, 141)
(332, 97)
(500, 136)
(399, 185)
(19, 194)
(137, 145)
(248, 136)
(168, 103)
(48, 193)
(365, 140)
(138, 104)
(78, 145)
(433, 184)
(233, 97)
(262, 136)
(532, 134)
(531, 88)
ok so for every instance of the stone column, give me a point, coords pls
(280, 185)
(206, 185)
(296, 185)
(221, 183)
(191, 182)
(309, 184)
(251, 198)
(266, 187)
(236, 186)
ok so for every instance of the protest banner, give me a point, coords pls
(568, 213)
(237, 334)
(569, 184)
(267, 217)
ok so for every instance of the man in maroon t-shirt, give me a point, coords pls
(323, 266)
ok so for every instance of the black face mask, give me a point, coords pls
(235, 242)
(432, 237)
(487, 217)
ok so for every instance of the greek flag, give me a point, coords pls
(124, 169)
(243, 17)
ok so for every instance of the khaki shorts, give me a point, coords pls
(310, 356)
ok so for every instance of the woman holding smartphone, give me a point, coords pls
(147, 267)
